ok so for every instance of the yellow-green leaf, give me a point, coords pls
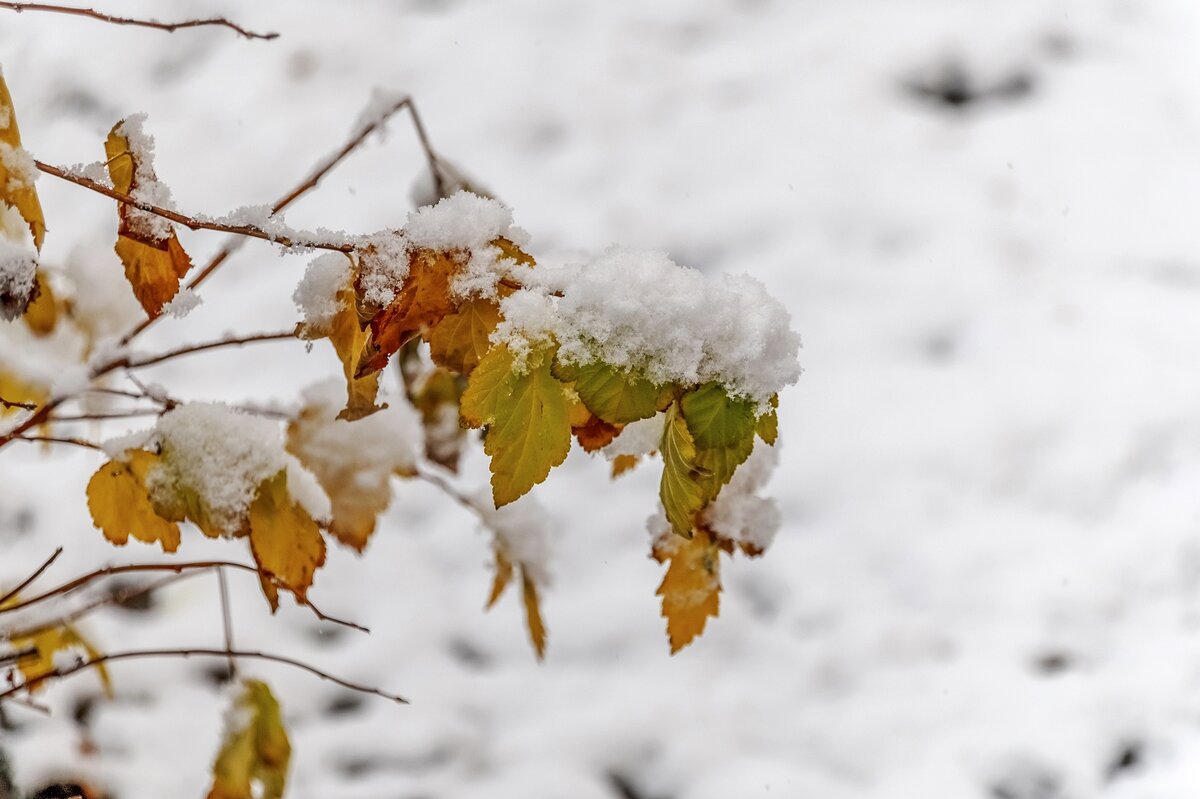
(121, 507)
(254, 758)
(527, 419)
(767, 426)
(616, 396)
(714, 418)
(284, 539)
(718, 464)
(681, 491)
(460, 340)
(16, 189)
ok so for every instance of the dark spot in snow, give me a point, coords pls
(469, 654)
(1052, 663)
(625, 788)
(359, 766)
(940, 347)
(344, 705)
(65, 790)
(218, 673)
(952, 86)
(1027, 781)
(83, 710)
(1128, 757)
(130, 596)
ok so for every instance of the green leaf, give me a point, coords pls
(253, 761)
(719, 463)
(714, 418)
(527, 419)
(616, 396)
(680, 490)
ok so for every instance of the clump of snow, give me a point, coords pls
(19, 164)
(18, 279)
(522, 531)
(641, 311)
(71, 380)
(738, 513)
(464, 225)
(365, 452)
(638, 438)
(68, 658)
(183, 303)
(304, 487)
(218, 453)
(115, 448)
(316, 294)
(146, 186)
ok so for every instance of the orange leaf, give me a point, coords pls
(348, 339)
(504, 572)
(460, 340)
(595, 434)
(623, 463)
(154, 264)
(533, 615)
(690, 590)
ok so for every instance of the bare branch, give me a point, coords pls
(77, 442)
(26, 406)
(128, 568)
(226, 620)
(38, 572)
(169, 27)
(185, 653)
(193, 223)
(211, 345)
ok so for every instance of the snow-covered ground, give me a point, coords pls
(982, 217)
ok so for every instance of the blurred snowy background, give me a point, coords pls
(982, 215)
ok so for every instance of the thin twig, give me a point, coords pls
(77, 442)
(100, 417)
(211, 345)
(29, 580)
(185, 653)
(251, 231)
(109, 571)
(12, 404)
(113, 599)
(170, 27)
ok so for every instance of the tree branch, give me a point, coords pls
(29, 580)
(185, 653)
(77, 442)
(169, 27)
(211, 345)
(26, 406)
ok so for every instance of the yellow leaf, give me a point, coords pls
(504, 572)
(460, 340)
(42, 314)
(120, 506)
(153, 266)
(16, 389)
(526, 416)
(284, 539)
(690, 589)
(623, 463)
(254, 758)
(17, 189)
(38, 649)
(348, 339)
(533, 615)
(680, 490)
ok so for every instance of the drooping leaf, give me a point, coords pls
(422, 302)
(16, 187)
(42, 314)
(37, 649)
(460, 340)
(533, 615)
(121, 507)
(504, 573)
(616, 396)
(254, 757)
(284, 539)
(690, 589)
(154, 264)
(595, 434)
(767, 426)
(348, 340)
(436, 396)
(526, 416)
(680, 490)
(718, 464)
(714, 418)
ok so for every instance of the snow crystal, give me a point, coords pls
(22, 171)
(316, 294)
(522, 529)
(182, 304)
(146, 186)
(18, 279)
(384, 267)
(738, 513)
(641, 311)
(462, 221)
(638, 438)
(219, 453)
(368, 450)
